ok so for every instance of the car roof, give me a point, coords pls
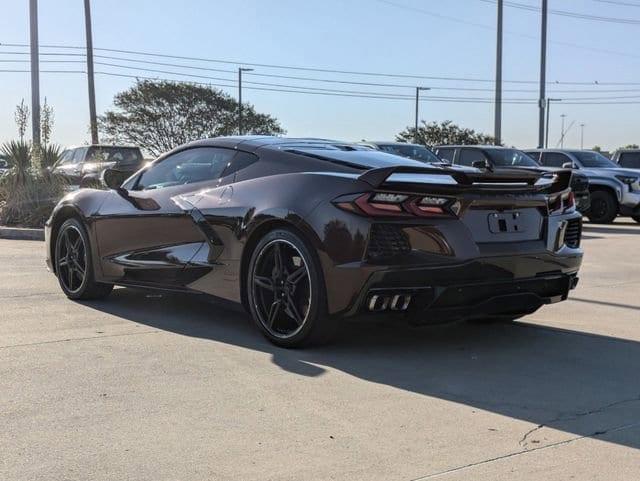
(391, 142)
(475, 146)
(347, 153)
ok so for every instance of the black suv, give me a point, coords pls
(504, 157)
(83, 166)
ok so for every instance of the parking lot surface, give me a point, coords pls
(144, 386)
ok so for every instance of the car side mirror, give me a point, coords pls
(568, 165)
(113, 179)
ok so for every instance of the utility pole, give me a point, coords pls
(546, 133)
(498, 108)
(90, 77)
(240, 70)
(415, 132)
(35, 75)
(562, 131)
(581, 136)
(543, 73)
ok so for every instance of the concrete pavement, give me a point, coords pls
(167, 387)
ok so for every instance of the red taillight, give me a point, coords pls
(384, 204)
(562, 203)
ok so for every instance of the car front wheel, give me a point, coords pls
(74, 268)
(604, 207)
(285, 291)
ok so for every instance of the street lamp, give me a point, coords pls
(415, 133)
(546, 135)
(562, 131)
(240, 70)
(581, 136)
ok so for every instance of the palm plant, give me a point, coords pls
(18, 154)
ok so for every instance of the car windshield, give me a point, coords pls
(592, 159)
(416, 152)
(121, 155)
(510, 158)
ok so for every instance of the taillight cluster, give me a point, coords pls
(388, 204)
(562, 203)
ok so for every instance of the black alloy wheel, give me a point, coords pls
(73, 263)
(285, 291)
(604, 207)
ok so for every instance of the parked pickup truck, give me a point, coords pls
(83, 166)
(614, 190)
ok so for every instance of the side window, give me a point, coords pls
(630, 160)
(446, 154)
(240, 161)
(78, 155)
(469, 156)
(554, 159)
(65, 158)
(186, 167)
(534, 155)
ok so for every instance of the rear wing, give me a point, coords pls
(518, 180)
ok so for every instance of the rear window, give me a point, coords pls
(120, 155)
(630, 160)
(415, 152)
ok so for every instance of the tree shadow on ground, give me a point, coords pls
(578, 383)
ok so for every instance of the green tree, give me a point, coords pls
(597, 148)
(630, 146)
(446, 132)
(160, 115)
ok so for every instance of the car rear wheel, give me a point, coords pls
(286, 292)
(74, 268)
(604, 207)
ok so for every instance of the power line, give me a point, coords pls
(565, 13)
(624, 4)
(510, 32)
(313, 69)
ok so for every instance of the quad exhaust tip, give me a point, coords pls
(395, 302)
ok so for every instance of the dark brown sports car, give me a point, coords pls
(304, 233)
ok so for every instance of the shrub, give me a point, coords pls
(18, 154)
(29, 204)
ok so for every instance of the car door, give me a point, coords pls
(145, 234)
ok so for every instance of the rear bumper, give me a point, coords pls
(481, 287)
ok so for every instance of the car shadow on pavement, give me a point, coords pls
(582, 385)
(604, 229)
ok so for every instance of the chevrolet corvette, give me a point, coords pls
(306, 233)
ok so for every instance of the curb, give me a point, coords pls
(21, 233)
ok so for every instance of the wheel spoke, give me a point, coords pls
(76, 245)
(277, 259)
(63, 262)
(297, 275)
(264, 282)
(273, 312)
(292, 310)
(79, 269)
(70, 277)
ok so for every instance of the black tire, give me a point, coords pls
(636, 218)
(288, 303)
(74, 267)
(604, 207)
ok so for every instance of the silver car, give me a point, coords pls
(614, 190)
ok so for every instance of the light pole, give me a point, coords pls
(498, 107)
(543, 73)
(415, 132)
(562, 131)
(546, 135)
(581, 136)
(90, 77)
(35, 75)
(240, 70)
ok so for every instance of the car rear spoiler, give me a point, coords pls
(502, 179)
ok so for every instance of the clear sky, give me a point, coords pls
(434, 38)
